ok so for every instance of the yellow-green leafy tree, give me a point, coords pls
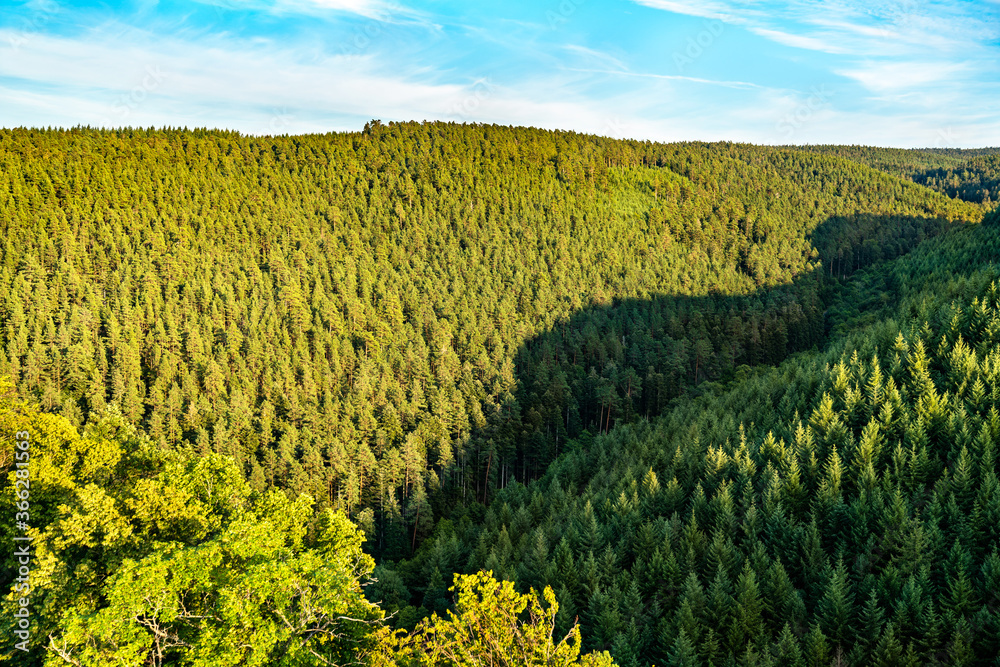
(493, 624)
(142, 556)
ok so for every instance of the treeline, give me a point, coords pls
(841, 508)
(901, 162)
(345, 315)
(976, 180)
(970, 174)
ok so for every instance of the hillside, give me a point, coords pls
(967, 174)
(345, 314)
(843, 504)
(734, 404)
(974, 180)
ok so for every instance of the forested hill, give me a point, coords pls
(977, 180)
(842, 508)
(343, 314)
(737, 405)
(901, 161)
(968, 174)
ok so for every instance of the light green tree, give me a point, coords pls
(493, 624)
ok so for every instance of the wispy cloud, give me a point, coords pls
(592, 55)
(726, 11)
(369, 8)
(881, 77)
(358, 6)
(799, 41)
(902, 72)
(902, 56)
(674, 77)
(213, 79)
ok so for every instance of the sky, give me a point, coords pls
(904, 73)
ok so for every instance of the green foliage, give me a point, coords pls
(839, 507)
(142, 556)
(494, 624)
(411, 317)
(974, 180)
(146, 557)
(968, 174)
(534, 353)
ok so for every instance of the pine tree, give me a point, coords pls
(721, 606)
(815, 648)
(786, 650)
(683, 653)
(836, 608)
(747, 627)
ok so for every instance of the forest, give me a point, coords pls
(971, 174)
(433, 393)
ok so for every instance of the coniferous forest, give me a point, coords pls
(446, 394)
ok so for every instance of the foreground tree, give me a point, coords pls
(493, 624)
(144, 556)
(150, 557)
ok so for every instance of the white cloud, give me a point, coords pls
(673, 77)
(909, 56)
(363, 7)
(902, 95)
(798, 41)
(897, 28)
(600, 57)
(358, 6)
(380, 10)
(264, 90)
(877, 32)
(710, 9)
(126, 83)
(882, 77)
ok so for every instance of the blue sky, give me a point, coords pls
(908, 73)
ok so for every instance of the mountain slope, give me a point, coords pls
(967, 174)
(343, 314)
(558, 342)
(844, 503)
(974, 180)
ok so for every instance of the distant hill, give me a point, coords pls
(970, 174)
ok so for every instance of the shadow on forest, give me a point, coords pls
(608, 364)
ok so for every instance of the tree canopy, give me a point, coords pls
(464, 394)
(351, 315)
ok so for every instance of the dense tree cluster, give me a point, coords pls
(976, 180)
(971, 174)
(683, 404)
(843, 506)
(144, 556)
(903, 162)
(346, 315)
(493, 624)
